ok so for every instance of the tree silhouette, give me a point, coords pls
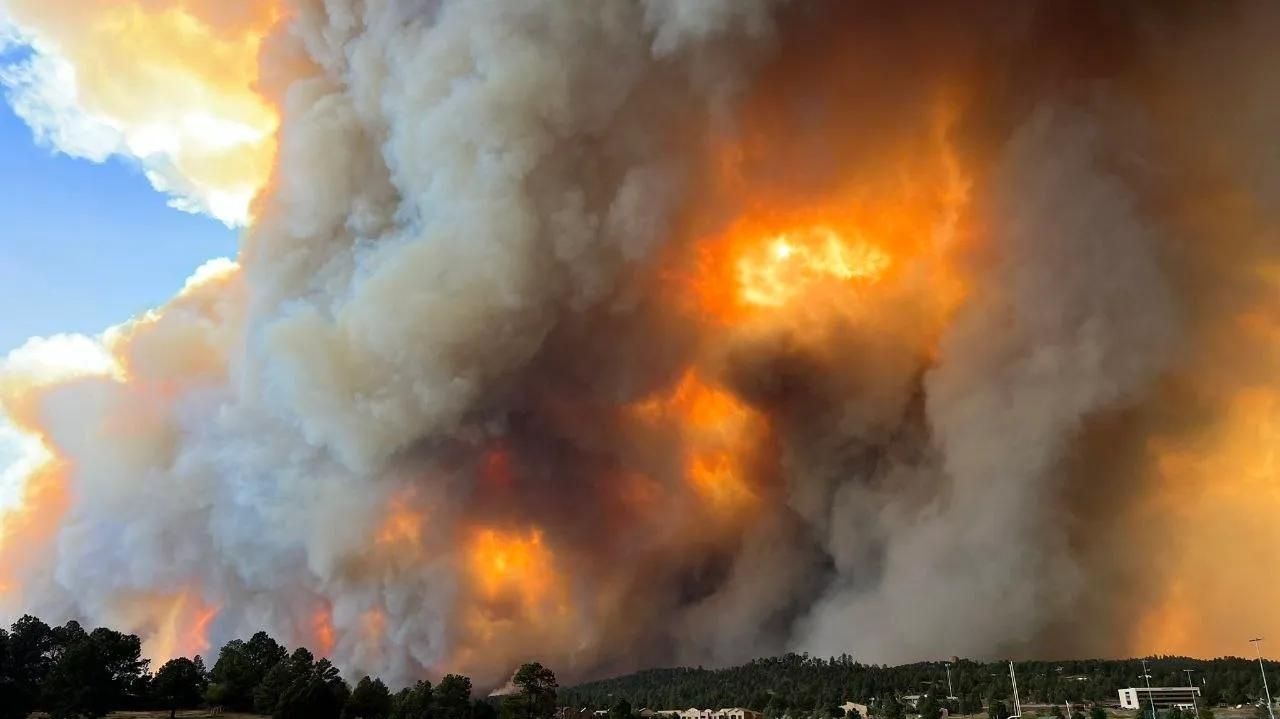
(179, 684)
(621, 710)
(453, 697)
(320, 694)
(369, 700)
(535, 696)
(92, 672)
(413, 702)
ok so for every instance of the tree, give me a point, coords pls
(369, 700)
(996, 709)
(79, 684)
(1097, 712)
(482, 709)
(122, 657)
(264, 652)
(453, 697)
(413, 702)
(30, 660)
(240, 668)
(266, 696)
(231, 681)
(66, 636)
(13, 703)
(971, 703)
(91, 673)
(620, 710)
(1055, 711)
(320, 694)
(179, 684)
(891, 708)
(535, 696)
(929, 708)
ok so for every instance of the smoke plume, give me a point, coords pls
(644, 331)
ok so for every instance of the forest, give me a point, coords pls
(68, 671)
(798, 684)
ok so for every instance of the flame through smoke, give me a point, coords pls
(630, 332)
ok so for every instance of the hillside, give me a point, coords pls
(802, 683)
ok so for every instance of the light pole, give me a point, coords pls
(950, 692)
(1257, 646)
(1194, 708)
(1151, 696)
(1017, 704)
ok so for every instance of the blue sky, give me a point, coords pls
(84, 246)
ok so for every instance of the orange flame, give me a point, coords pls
(718, 432)
(509, 563)
(172, 625)
(322, 631)
(896, 217)
(784, 266)
(519, 588)
(403, 524)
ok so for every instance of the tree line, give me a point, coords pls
(67, 671)
(799, 685)
(70, 673)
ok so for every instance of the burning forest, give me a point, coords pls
(648, 331)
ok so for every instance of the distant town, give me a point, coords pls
(803, 687)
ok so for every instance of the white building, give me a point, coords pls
(694, 713)
(850, 707)
(1162, 697)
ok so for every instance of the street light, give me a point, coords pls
(1017, 704)
(1150, 695)
(1257, 646)
(1194, 708)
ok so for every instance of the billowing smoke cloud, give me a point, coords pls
(623, 332)
(165, 84)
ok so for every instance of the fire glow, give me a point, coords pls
(783, 267)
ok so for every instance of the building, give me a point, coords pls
(1162, 697)
(851, 707)
(736, 713)
(694, 713)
